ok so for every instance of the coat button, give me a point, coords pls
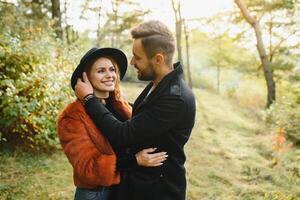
(161, 175)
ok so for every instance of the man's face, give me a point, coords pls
(144, 66)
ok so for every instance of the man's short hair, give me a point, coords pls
(156, 38)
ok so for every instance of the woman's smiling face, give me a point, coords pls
(103, 75)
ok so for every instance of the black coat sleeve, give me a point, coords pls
(153, 120)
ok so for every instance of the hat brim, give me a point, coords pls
(117, 55)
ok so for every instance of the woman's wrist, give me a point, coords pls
(87, 97)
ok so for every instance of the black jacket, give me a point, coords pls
(164, 120)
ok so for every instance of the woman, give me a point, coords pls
(96, 165)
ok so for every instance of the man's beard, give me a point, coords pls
(148, 74)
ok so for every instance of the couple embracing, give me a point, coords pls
(120, 151)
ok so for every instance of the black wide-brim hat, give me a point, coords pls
(117, 55)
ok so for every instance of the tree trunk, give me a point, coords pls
(187, 46)
(268, 72)
(218, 77)
(99, 26)
(66, 31)
(178, 39)
(178, 25)
(218, 63)
(115, 9)
(56, 15)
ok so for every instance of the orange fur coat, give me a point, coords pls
(88, 151)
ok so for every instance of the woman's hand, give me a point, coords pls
(147, 158)
(83, 87)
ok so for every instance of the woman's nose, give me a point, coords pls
(110, 74)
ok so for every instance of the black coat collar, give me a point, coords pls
(141, 100)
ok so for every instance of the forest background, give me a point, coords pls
(241, 58)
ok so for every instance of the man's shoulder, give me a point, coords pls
(175, 89)
(180, 88)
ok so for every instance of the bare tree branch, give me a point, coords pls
(245, 12)
(273, 52)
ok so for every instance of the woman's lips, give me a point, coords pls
(108, 83)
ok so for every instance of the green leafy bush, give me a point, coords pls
(34, 79)
(285, 114)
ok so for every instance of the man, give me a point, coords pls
(163, 115)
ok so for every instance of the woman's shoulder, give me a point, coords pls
(72, 109)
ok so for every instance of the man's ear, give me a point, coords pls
(159, 59)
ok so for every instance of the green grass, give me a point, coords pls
(229, 157)
(35, 176)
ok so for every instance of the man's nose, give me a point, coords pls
(132, 61)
